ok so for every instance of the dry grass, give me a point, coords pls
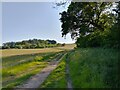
(13, 52)
(67, 47)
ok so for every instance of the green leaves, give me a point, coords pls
(92, 24)
(81, 16)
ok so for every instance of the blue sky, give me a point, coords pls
(28, 20)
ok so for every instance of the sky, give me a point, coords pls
(29, 20)
(0, 23)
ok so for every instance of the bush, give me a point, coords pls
(104, 39)
(33, 46)
(38, 58)
(18, 46)
(5, 47)
(63, 44)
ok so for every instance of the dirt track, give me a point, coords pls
(38, 79)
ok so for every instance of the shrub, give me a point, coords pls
(38, 58)
(63, 44)
(18, 46)
(5, 47)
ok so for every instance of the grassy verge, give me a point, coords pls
(94, 68)
(16, 74)
(57, 78)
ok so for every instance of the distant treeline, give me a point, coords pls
(31, 44)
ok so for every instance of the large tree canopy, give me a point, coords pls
(115, 32)
(83, 18)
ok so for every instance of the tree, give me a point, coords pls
(31, 43)
(51, 41)
(115, 31)
(5, 47)
(34, 46)
(83, 18)
(18, 46)
(63, 44)
(27, 45)
(9, 44)
(89, 23)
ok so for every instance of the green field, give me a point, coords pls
(13, 52)
(88, 68)
(18, 65)
(91, 62)
(17, 69)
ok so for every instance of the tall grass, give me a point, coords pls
(94, 68)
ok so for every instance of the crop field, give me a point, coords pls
(66, 47)
(17, 69)
(88, 67)
(60, 45)
(13, 52)
(18, 65)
